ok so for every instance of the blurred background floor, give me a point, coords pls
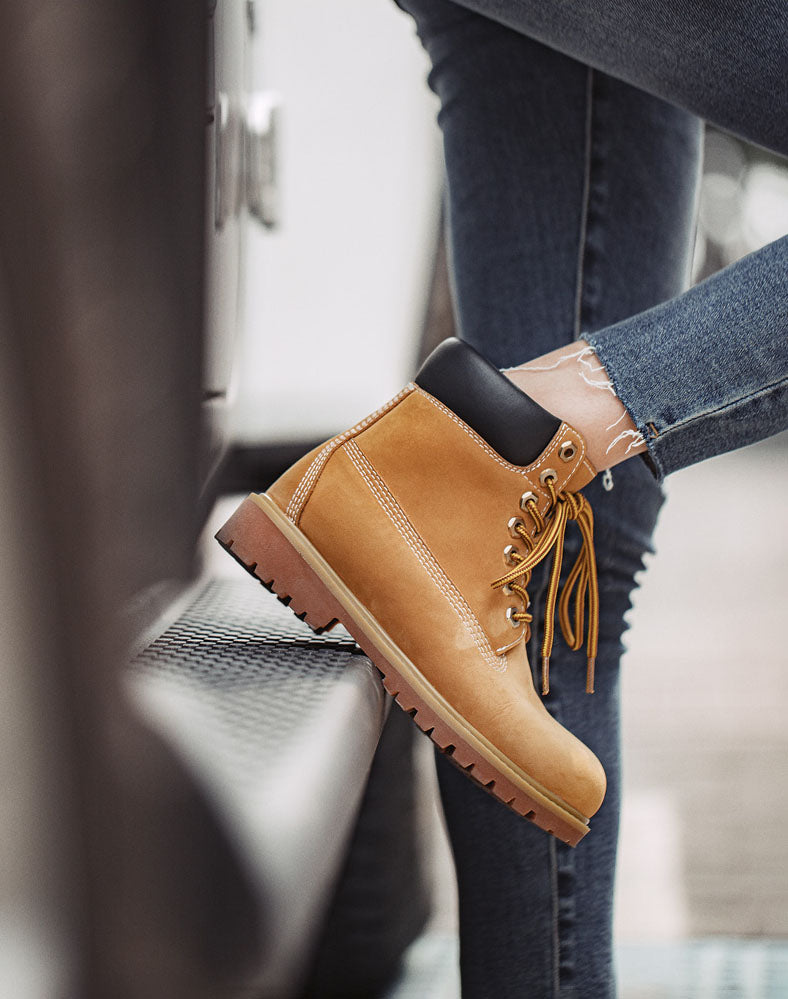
(712, 968)
(705, 696)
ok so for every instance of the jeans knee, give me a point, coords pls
(435, 17)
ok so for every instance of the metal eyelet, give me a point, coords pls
(510, 612)
(549, 474)
(567, 451)
(526, 498)
(506, 589)
(514, 523)
(508, 553)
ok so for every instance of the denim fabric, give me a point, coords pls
(707, 373)
(571, 199)
(571, 210)
(723, 60)
(536, 916)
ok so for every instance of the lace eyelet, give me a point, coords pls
(526, 498)
(567, 451)
(508, 553)
(510, 612)
(514, 523)
(548, 475)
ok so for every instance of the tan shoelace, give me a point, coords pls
(550, 532)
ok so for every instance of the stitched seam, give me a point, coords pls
(743, 400)
(304, 487)
(556, 936)
(480, 442)
(579, 292)
(408, 533)
(422, 553)
(581, 256)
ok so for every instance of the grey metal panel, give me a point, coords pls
(279, 726)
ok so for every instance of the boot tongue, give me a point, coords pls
(518, 428)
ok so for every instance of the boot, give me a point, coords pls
(418, 529)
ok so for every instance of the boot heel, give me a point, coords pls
(254, 541)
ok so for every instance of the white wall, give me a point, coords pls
(334, 298)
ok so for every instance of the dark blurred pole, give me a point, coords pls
(382, 900)
(102, 118)
(102, 248)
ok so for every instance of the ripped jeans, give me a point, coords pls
(571, 205)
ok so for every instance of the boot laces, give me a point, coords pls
(582, 580)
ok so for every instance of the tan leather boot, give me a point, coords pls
(418, 529)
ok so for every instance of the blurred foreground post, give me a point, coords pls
(102, 111)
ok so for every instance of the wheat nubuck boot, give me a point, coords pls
(418, 529)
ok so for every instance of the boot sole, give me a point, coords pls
(269, 546)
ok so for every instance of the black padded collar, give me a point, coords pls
(518, 428)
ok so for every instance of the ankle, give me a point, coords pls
(572, 384)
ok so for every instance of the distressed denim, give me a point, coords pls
(708, 372)
(571, 206)
(700, 375)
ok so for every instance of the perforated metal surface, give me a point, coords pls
(279, 726)
(258, 673)
(242, 611)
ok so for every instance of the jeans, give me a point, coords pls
(571, 203)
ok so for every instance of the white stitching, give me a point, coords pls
(296, 503)
(585, 204)
(557, 441)
(303, 488)
(408, 533)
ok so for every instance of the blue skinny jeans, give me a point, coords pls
(572, 138)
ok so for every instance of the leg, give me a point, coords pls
(571, 200)
(715, 58)
(715, 376)
(735, 323)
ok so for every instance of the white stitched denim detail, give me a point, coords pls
(581, 255)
